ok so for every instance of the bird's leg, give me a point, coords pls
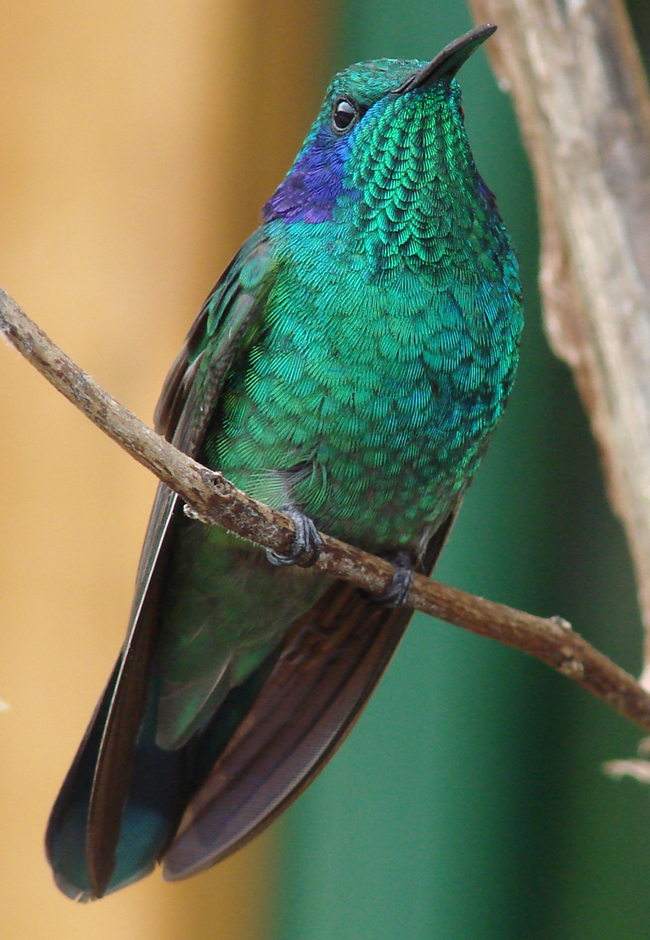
(307, 543)
(397, 592)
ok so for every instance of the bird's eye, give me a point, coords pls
(344, 115)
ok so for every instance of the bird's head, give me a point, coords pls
(386, 127)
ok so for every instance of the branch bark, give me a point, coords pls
(583, 105)
(215, 500)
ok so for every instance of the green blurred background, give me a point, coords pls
(469, 802)
(140, 140)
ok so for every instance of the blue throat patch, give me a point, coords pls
(312, 188)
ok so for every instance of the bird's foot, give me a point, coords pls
(307, 543)
(397, 592)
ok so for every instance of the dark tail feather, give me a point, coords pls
(160, 786)
(326, 671)
(151, 814)
(270, 738)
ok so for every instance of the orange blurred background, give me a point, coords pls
(139, 141)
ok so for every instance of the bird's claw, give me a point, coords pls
(397, 592)
(307, 543)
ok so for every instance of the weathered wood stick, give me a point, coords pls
(582, 100)
(214, 499)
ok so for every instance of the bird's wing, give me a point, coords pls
(327, 669)
(232, 312)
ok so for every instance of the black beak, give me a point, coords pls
(447, 62)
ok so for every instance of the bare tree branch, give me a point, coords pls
(215, 499)
(583, 104)
(637, 767)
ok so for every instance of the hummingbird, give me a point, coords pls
(349, 368)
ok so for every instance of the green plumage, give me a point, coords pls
(351, 364)
(368, 388)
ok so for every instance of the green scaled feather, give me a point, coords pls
(352, 364)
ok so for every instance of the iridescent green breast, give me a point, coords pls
(366, 403)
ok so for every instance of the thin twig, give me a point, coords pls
(214, 499)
